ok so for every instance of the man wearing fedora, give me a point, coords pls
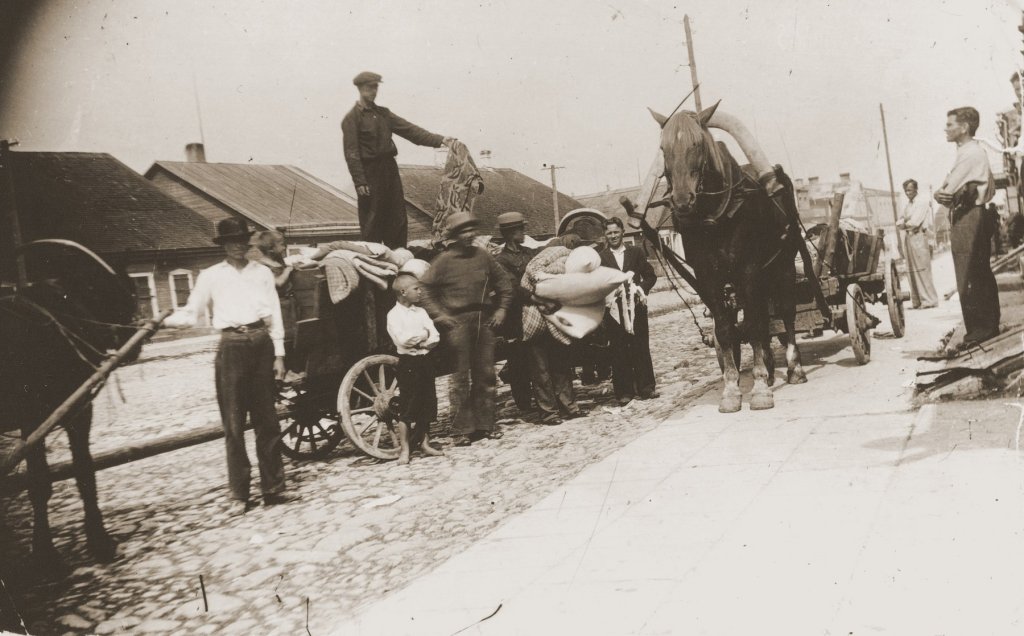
(242, 299)
(370, 154)
(457, 293)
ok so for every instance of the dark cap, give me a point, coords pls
(366, 77)
(232, 229)
(460, 220)
(510, 220)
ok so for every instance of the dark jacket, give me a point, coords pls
(366, 136)
(633, 261)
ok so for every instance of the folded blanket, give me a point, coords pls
(551, 260)
(577, 322)
(376, 275)
(342, 277)
(386, 268)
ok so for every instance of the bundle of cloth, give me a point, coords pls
(348, 263)
(576, 280)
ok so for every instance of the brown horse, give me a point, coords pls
(53, 332)
(740, 246)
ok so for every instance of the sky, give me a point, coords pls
(534, 81)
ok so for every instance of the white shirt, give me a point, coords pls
(917, 214)
(619, 254)
(235, 298)
(406, 324)
(971, 165)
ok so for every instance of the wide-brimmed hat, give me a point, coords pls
(367, 77)
(460, 220)
(510, 220)
(232, 229)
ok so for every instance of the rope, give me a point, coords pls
(670, 275)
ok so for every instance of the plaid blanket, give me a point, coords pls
(551, 260)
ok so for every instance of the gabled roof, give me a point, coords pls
(95, 200)
(264, 193)
(505, 190)
(607, 202)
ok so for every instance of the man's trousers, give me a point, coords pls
(632, 369)
(472, 384)
(979, 294)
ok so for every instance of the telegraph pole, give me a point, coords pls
(7, 196)
(554, 191)
(693, 63)
(892, 184)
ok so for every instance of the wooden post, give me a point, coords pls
(892, 184)
(554, 193)
(11, 205)
(82, 395)
(693, 63)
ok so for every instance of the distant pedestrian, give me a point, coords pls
(241, 297)
(632, 368)
(966, 190)
(917, 223)
(370, 154)
(458, 291)
(415, 337)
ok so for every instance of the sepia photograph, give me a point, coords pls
(492, 318)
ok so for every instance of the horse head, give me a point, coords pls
(692, 158)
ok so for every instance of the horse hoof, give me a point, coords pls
(762, 401)
(730, 404)
(103, 548)
(770, 379)
(796, 377)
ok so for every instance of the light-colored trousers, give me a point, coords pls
(919, 266)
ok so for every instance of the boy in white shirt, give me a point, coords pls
(415, 335)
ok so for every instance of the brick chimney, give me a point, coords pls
(812, 180)
(195, 153)
(485, 159)
(844, 177)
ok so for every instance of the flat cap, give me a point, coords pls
(367, 77)
(460, 220)
(511, 219)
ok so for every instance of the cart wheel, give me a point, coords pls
(894, 299)
(364, 401)
(857, 323)
(309, 429)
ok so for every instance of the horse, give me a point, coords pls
(741, 248)
(53, 333)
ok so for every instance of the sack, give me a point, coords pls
(582, 289)
(577, 321)
(416, 267)
(581, 260)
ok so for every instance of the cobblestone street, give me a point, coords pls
(362, 528)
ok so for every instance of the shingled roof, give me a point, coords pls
(95, 200)
(505, 190)
(264, 193)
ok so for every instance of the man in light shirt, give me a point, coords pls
(966, 190)
(243, 300)
(917, 223)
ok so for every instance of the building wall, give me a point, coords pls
(156, 275)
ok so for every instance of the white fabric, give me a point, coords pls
(234, 298)
(577, 322)
(619, 254)
(416, 267)
(917, 214)
(580, 289)
(971, 165)
(622, 304)
(581, 260)
(412, 330)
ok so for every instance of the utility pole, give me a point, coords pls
(554, 191)
(693, 63)
(9, 202)
(892, 184)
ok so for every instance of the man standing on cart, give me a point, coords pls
(458, 290)
(370, 154)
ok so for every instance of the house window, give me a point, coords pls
(145, 294)
(180, 284)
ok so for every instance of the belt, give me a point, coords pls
(469, 308)
(259, 324)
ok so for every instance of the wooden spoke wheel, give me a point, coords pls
(309, 428)
(894, 299)
(364, 403)
(858, 324)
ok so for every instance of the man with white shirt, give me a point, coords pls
(966, 190)
(632, 368)
(917, 223)
(242, 298)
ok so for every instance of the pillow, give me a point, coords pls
(581, 289)
(416, 267)
(581, 260)
(577, 321)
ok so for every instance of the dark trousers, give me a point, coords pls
(472, 384)
(245, 385)
(517, 373)
(979, 295)
(632, 369)
(382, 214)
(418, 395)
(551, 375)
